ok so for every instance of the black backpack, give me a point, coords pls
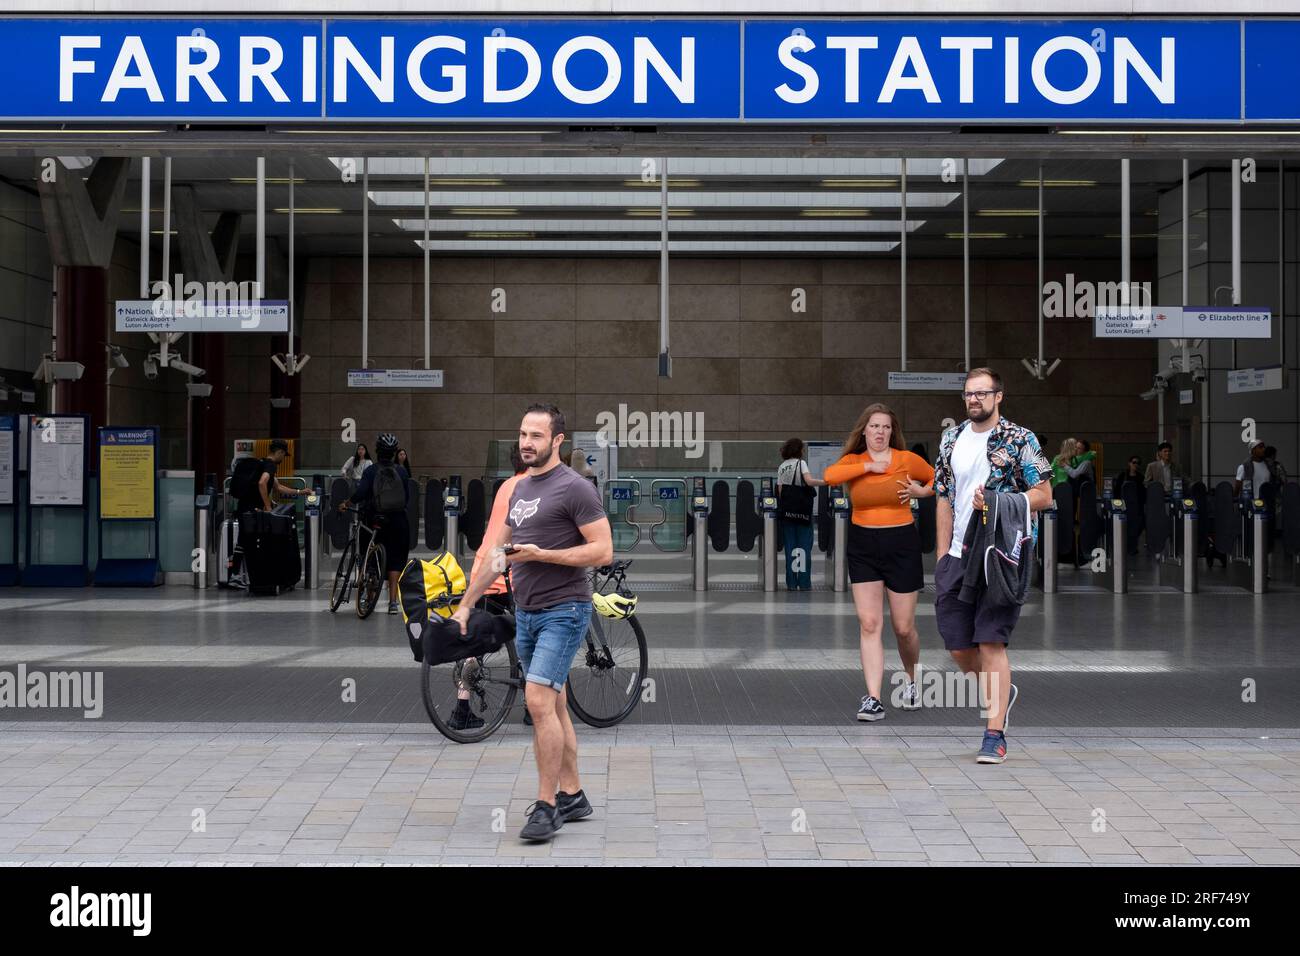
(244, 479)
(389, 490)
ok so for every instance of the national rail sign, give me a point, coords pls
(707, 70)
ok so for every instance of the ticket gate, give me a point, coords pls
(837, 559)
(1048, 548)
(452, 503)
(767, 546)
(699, 535)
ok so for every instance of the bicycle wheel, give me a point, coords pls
(343, 576)
(606, 678)
(372, 581)
(492, 682)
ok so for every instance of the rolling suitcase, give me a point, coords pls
(270, 545)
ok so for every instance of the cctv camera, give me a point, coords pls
(150, 367)
(1161, 382)
(185, 368)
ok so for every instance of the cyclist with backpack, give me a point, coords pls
(383, 496)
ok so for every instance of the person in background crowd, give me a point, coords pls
(1083, 466)
(355, 466)
(1270, 458)
(404, 460)
(797, 538)
(884, 546)
(1132, 475)
(1256, 469)
(1061, 463)
(395, 528)
(1164, 469)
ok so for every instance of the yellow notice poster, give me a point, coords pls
(126, 473)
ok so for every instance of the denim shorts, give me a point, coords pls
(547, 641)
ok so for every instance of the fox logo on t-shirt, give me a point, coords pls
(523, 510)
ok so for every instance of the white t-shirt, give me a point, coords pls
(790, 469)
(970, 470)
(1261, 474)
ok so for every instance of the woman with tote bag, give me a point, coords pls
(794, 496)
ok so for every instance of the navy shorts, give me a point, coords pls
(961, 625)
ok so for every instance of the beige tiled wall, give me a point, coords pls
(583, 333)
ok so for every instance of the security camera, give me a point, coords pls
(185, 368)
(150, 367)
(1161, 383)
(116, 355)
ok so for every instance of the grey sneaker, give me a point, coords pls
(392, 607)
(911, 697)
(871, 709)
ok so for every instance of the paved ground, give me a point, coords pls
(1152, 728)
(754, 794)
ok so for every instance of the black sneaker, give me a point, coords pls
(871, 709)
(544, 821)
(462, 718)
(572, 806)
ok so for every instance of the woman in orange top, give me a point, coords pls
(884, 547)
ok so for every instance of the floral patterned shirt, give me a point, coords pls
(1016, 462)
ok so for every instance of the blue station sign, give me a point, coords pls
(615, 69)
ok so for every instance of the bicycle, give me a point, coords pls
(370, 581)
(604, 684)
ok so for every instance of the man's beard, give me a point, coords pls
(542, 458)
(980, 416)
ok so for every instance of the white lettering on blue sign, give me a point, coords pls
(564, 70)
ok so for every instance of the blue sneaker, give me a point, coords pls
(993, 749)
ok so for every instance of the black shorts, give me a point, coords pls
(892, 555)
(395, 536)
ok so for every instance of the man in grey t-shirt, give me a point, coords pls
(555, 530)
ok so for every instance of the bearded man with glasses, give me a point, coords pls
(984, 453)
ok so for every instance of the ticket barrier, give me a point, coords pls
(767, 546)
(699, 535)
(837, 560)
(452, 506)
(1048, 532)
(313, 539)
(1114, 577)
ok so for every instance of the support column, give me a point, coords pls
(80, 217)
(206, 258)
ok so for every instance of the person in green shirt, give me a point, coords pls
(1082, 466)
(1061, 463)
